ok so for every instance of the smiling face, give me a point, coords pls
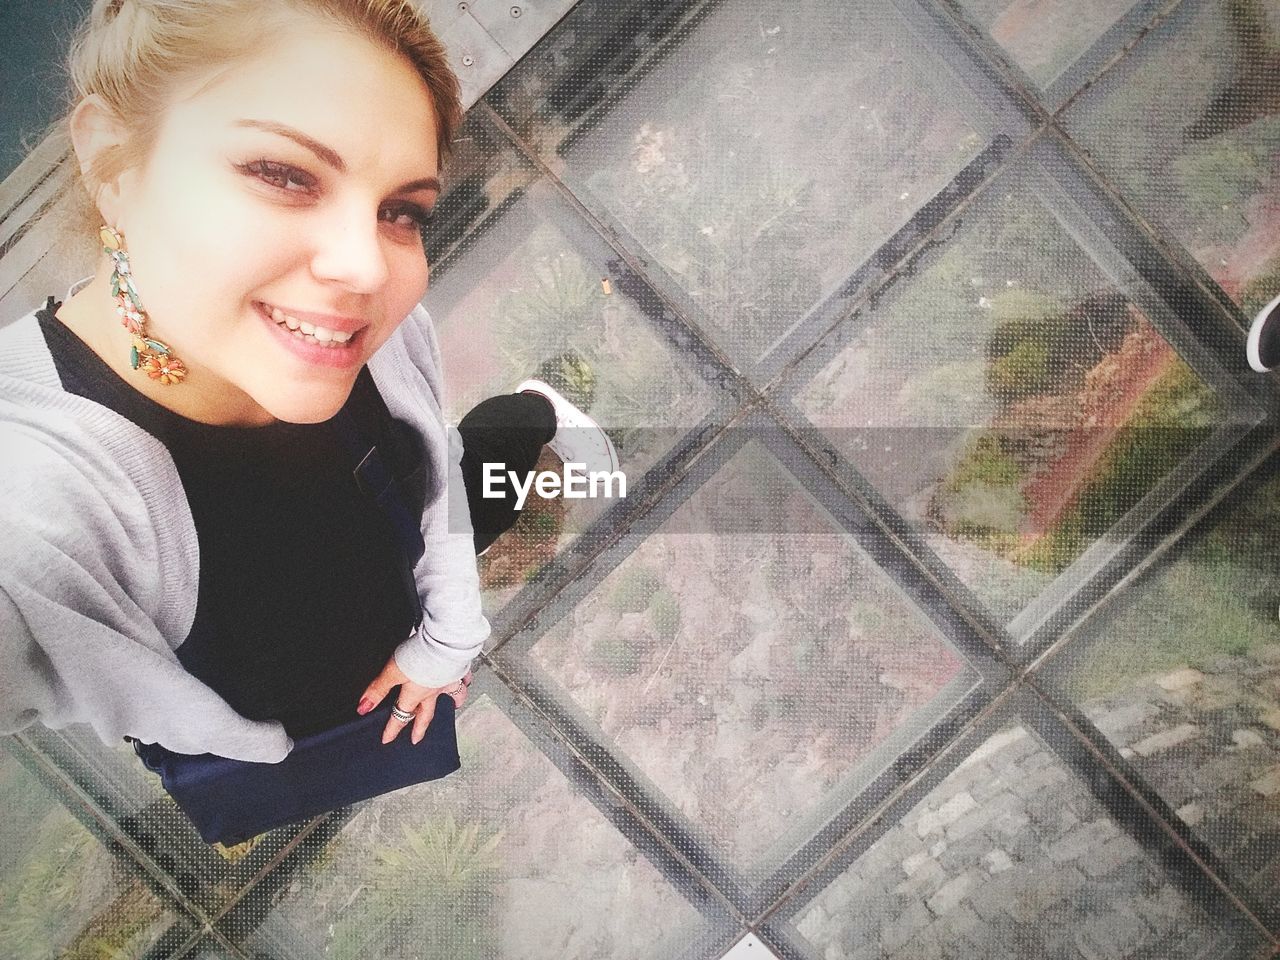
(290, 187)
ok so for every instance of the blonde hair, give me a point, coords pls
(134, 53)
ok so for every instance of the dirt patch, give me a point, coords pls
(1110, 396)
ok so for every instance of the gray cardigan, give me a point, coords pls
(99, 564)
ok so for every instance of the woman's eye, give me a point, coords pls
(281, 176)
(408, 215)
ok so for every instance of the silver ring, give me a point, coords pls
(404, 716)
(458, 689)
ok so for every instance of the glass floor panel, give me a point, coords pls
(1201, 158)
(940, 620)
(810, 665)
(1013, 402)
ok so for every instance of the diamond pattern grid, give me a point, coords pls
(539, 294)
(1059, 44)
(669, 191)
(210, 947)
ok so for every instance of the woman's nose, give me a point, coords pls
(349, 251)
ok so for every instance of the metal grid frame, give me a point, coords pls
(1185, 303)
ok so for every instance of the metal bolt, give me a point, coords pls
(464, 6)
(516, 11)
(468, 60)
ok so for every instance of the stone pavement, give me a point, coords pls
(1011, 856)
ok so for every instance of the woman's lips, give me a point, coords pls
(307, 349)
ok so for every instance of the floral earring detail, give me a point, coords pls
(151, 355)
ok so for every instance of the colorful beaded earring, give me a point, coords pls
(152, 356)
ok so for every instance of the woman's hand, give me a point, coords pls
(417, 700)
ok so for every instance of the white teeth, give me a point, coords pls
(305, 330)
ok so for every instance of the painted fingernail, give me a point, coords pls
(365, 706)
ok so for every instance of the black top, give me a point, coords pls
(302, 592)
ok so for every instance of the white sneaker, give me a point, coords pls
(578, 439)
(1263, 348)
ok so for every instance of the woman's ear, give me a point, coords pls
(96, 133)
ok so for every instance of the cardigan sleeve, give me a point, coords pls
(454, 627)
(80, 579)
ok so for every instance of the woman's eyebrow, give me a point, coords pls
(328, 154)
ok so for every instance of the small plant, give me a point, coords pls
(572, 376)
(982, 497)
(456, 857)
(448, 911)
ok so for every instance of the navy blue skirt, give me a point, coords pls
(230, 801)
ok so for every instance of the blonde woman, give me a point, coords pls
(187, 559)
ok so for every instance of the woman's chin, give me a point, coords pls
(307, 406)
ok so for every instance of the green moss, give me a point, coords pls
(982, 495)
(664, 613)
(1191, 615)
(615, 654)
(985, 462)
(1022, 372)
(634, 589)
(1024, 341)
(1207, 600)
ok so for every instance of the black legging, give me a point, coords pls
(510, 430)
